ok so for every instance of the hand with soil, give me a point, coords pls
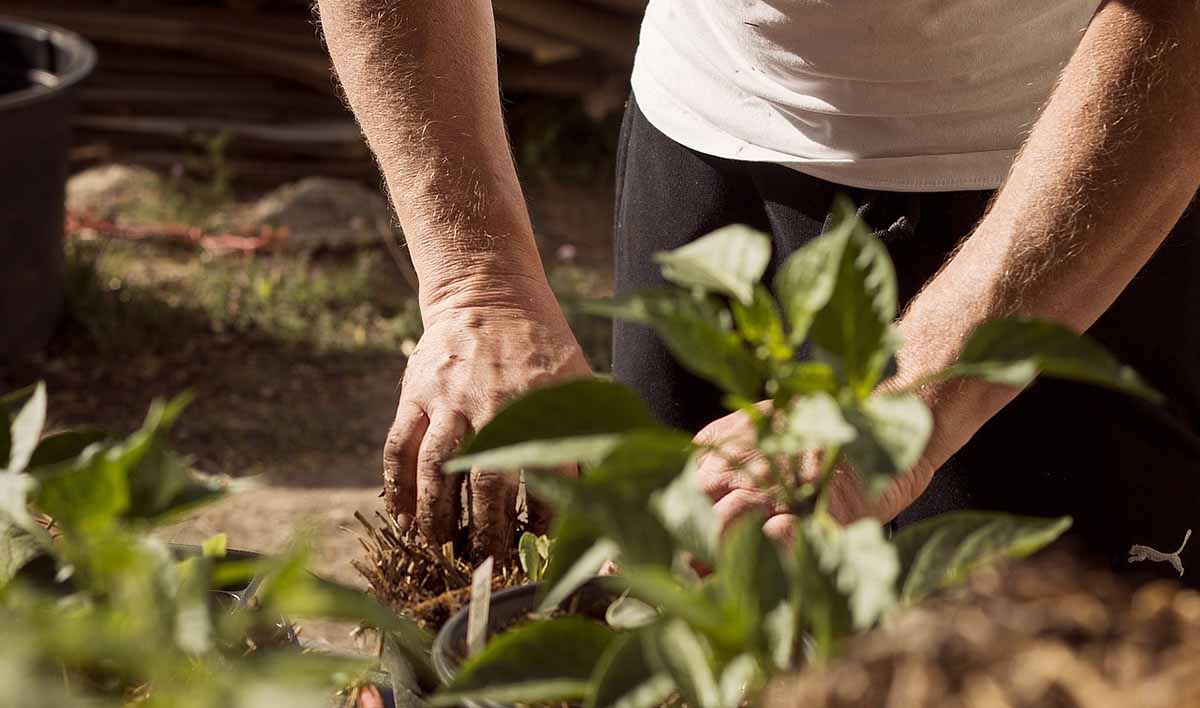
(468, 363)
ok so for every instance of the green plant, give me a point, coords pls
(764, 608)
(119, 618)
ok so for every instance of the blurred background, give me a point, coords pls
(225, 232)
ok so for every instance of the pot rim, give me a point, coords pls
(81, 54)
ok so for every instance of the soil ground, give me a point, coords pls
(294, 362)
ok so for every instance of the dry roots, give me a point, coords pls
(426, 582)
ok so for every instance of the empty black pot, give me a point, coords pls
(40, 70)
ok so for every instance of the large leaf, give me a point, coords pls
(17, 547)
(945, 549)
(585, 449)
(698, 334)
(893, 430)
(856, 325)
(578, 553)
(538, 662)
(1012, 351)
(729, 261)
(26, 429)
(679, 652)
(742, 677)
(626, 678)
(807, 278)
(821, 608)
(587, 408)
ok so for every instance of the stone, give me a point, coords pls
(322, 213)
(113, 192)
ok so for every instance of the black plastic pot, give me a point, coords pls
(40, 70)
(509, 607)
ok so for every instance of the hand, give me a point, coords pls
(735, 477)
(468, 363)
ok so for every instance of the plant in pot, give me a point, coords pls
(714, 639)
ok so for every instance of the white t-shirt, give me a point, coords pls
(906, 95)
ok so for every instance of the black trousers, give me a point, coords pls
(1128, 471)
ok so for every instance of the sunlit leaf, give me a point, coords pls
(864, 564)
(90, 494)
(741, 678)
(811, 422)
(580, 550)
(729, 261)
(26, 429)
(215, 546)
(947, 548)
(527, 554)
(538, 662)
(575, 409)
(1012, 351)
(806, 280)
(658, 587)
(856, 325)
(687, 514)
(629, 613)
(751, 576)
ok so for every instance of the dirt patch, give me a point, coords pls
(1050, 632)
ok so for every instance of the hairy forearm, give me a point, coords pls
(1105, 174)
(421, 79)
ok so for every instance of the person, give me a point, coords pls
(1032, 157)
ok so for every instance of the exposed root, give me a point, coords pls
(426, 582)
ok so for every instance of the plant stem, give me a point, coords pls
(828, 463)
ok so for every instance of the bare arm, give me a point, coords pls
(421, 79)
(1104, 176)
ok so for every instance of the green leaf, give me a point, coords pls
(865, 566)
(625, 678)
(750, 577)
(527, 554)
(658, 587)
(26, 429)
(760, 323)
(90, 494)
(568, 571)
(821, 608)
(575, 409)
(17, 548)
(697, 333)
(1012, 351)
(947, 548)
(539, 662)
(539, 453)
(678, 651)
(893, 430)
(640, 536)
(801, 378)
(64, 445)
(629, 613)
(642, 463)
(687, 514)
(812, 422)
(807, 278)
(856, 325)
(215, 546)
(729, 261)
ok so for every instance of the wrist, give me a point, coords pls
(517, 292)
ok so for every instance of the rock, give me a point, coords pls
(322, 213)
(113, 192)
